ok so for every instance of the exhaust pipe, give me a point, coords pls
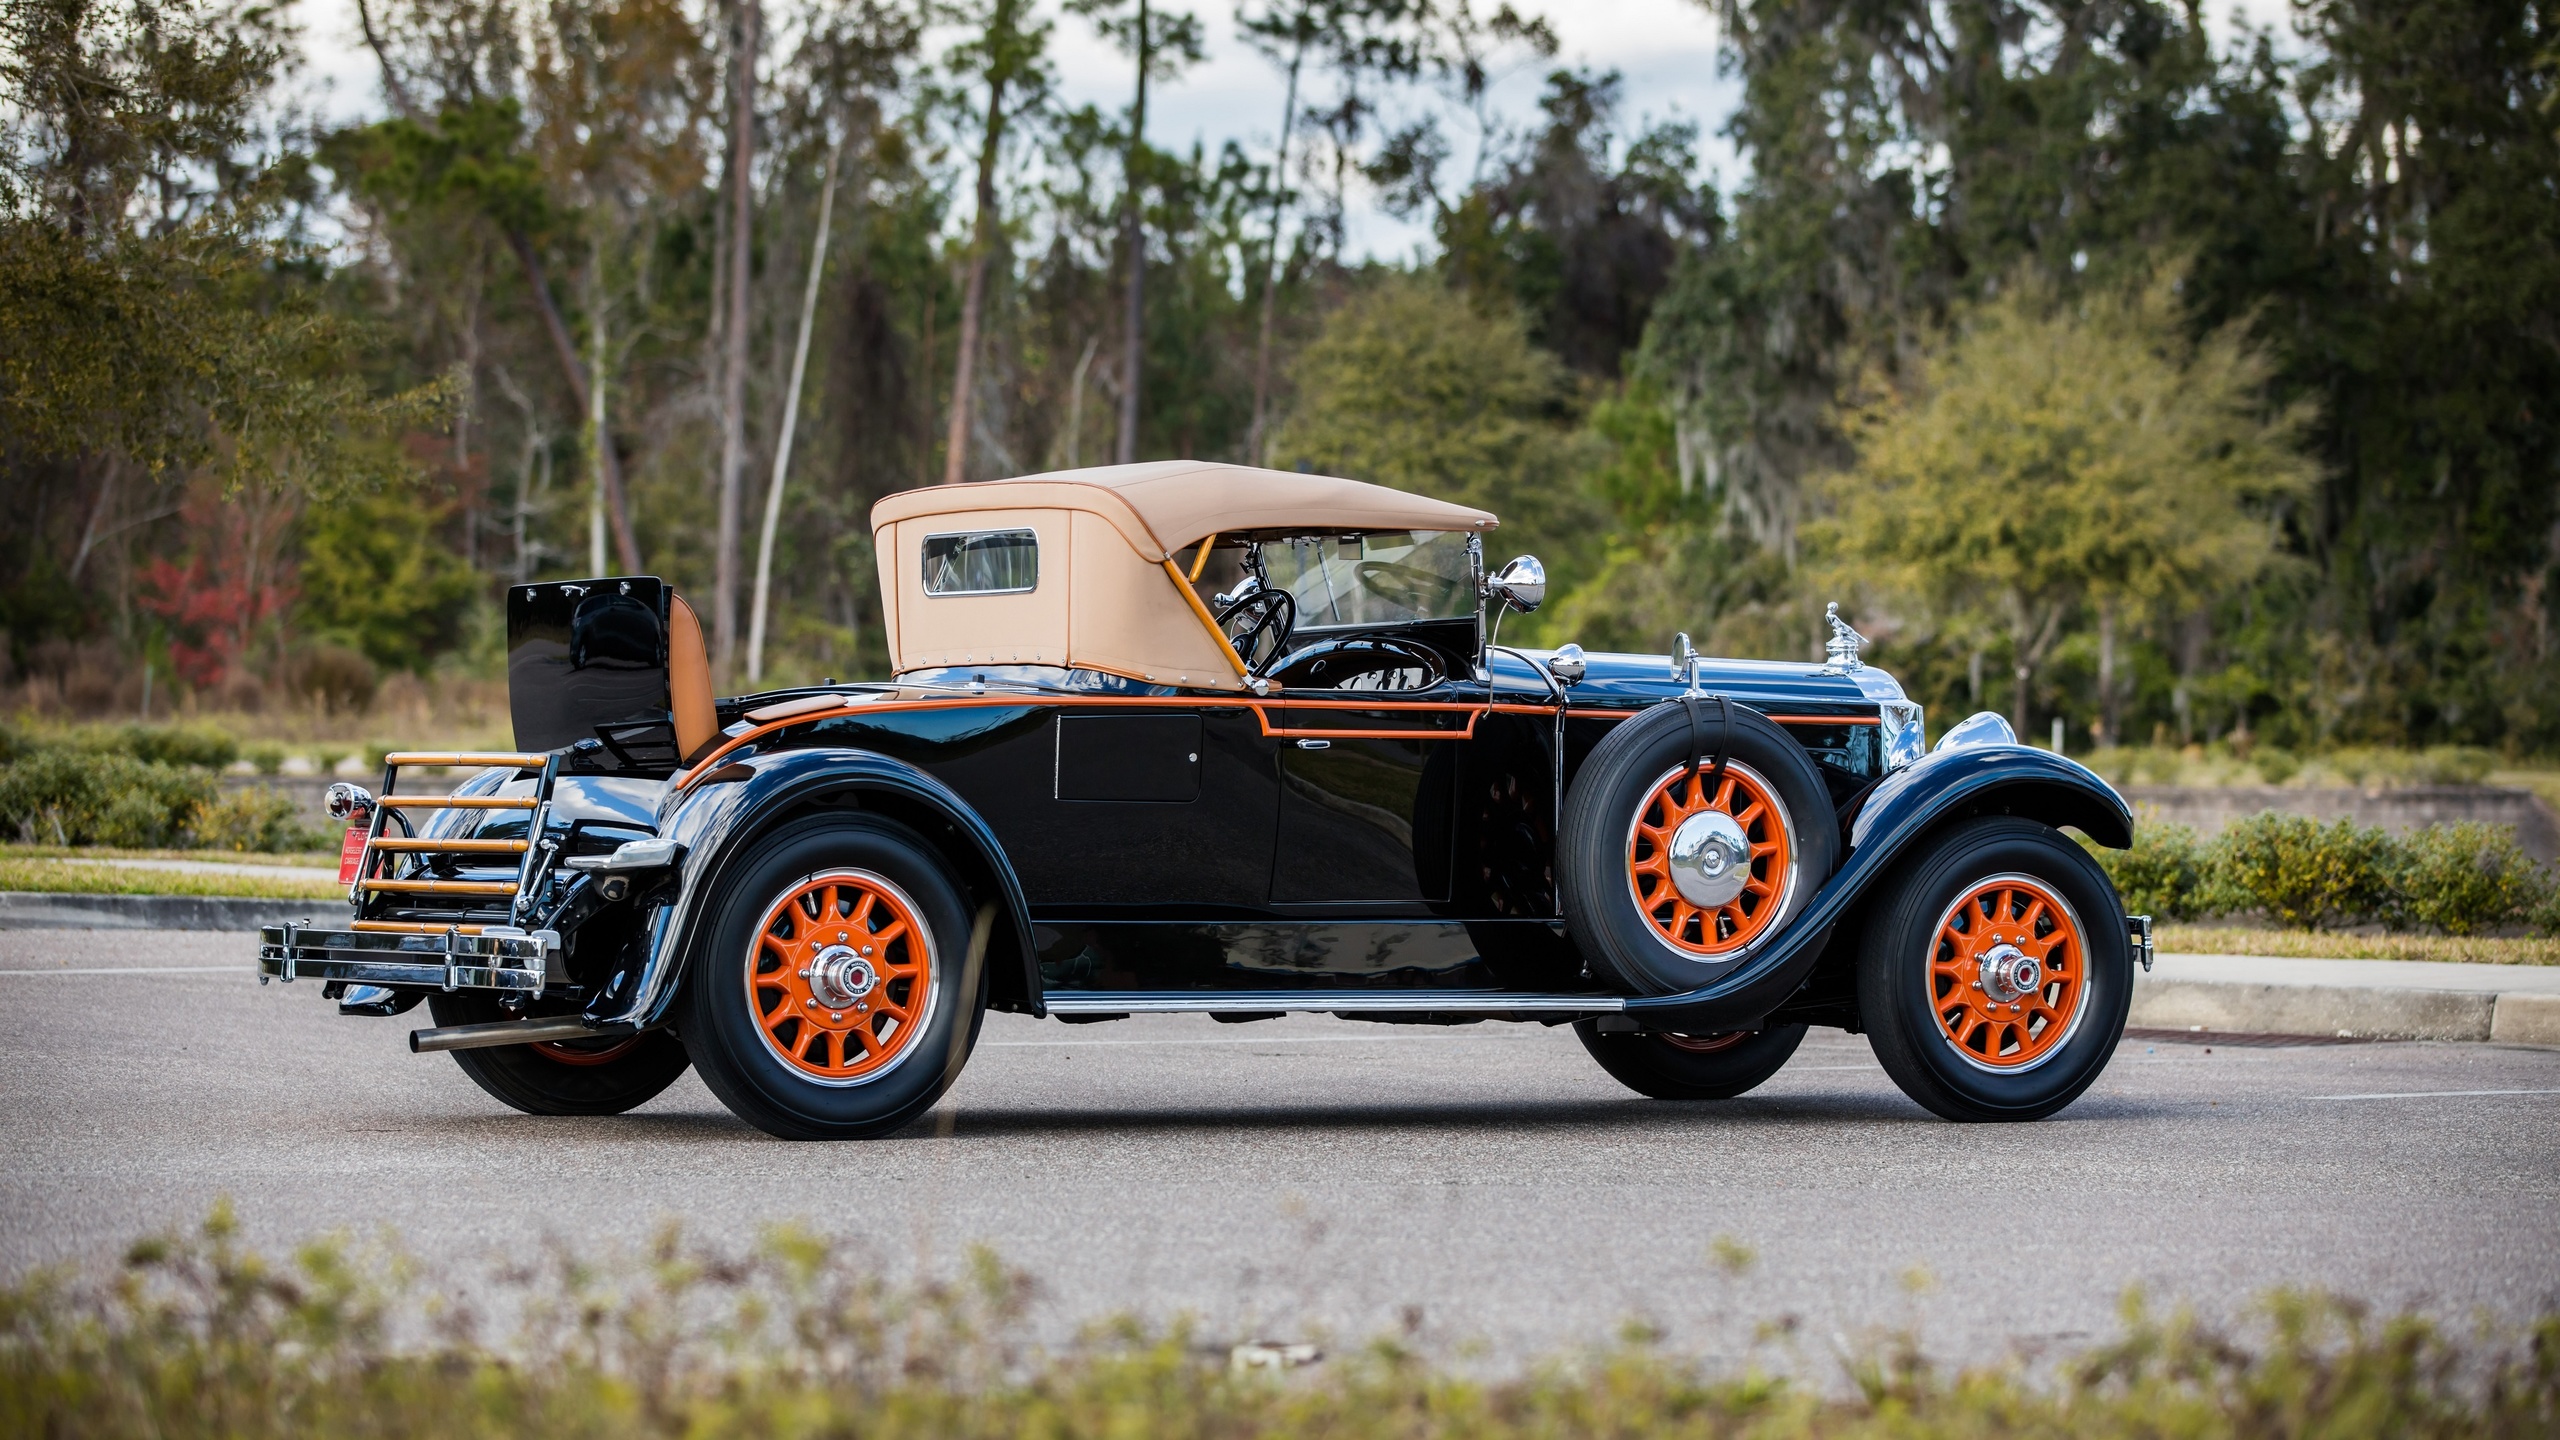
(511, 1032)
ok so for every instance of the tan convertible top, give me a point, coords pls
(1165, 506)
(1107, 595)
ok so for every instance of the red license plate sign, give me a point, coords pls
(350, 855)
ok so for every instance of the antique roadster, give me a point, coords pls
(1194, 737)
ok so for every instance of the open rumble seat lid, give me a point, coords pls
(1075, 568)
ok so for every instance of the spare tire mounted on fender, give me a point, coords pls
(1695, 833)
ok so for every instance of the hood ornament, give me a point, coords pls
(1841, 650)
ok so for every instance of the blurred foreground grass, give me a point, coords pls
(199, 1337)
(2334, 945)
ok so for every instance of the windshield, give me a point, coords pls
(1380, 579)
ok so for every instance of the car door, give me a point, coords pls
(1152, 806)
(1368, 793)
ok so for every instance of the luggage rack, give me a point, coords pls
(476, 947)
(382, 852)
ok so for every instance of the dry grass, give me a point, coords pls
(2337, 945)
(278, 859)
(88, 877)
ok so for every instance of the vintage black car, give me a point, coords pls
(1190, 737)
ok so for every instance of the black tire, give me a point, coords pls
(579, 1077)
(737, 1034)
(1628, 938)
(1683, 1067)
(1979, 1065)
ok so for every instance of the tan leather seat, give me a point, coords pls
(689, 691)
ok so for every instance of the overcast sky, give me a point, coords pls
(1664, 49)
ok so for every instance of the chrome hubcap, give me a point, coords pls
(2009, 972)
(840, 977)
(1710, 859)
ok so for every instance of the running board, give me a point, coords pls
(1362, 1002)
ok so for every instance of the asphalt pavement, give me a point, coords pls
(1478, 1185)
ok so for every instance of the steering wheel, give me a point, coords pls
(1264, 613)
(1367, 662)
(1408, 587)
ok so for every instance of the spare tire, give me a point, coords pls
(1670, 882)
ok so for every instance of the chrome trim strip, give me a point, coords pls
(1371, 1002)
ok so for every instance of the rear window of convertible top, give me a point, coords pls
(982, 562)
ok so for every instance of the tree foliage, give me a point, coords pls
(1411, 385)
(2057, 455)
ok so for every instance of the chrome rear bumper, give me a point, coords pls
(450, 959)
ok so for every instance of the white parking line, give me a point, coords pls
(146, 970)
(2429, 1094)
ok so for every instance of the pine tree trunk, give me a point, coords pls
(790, 419)
(1133, 229)
(733, 402)
(973, 291)
(1255, 437)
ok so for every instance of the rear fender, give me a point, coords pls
(1900, 811)
(716, 822)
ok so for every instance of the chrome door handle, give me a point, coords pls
(1315, 744)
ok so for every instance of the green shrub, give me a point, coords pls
(2162, 875)
(67, 797)
(2275, 765)
(2467, 878)
(266, 757)
(198, 745)
(2302, 873)
(254, 818)
(2545, 917)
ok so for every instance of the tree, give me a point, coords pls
(2059, 454)
(464, 155)
(156, 321)
(1160, 46)
(1353, 38)
(1413, 386)
(1008, 59)
(745, 24)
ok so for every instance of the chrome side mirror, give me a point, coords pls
(1522, 584)
(1568, 664)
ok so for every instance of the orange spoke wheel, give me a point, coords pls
(2007, 973)
(1711, 871)
(840, 978)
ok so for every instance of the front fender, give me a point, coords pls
(715, 821)
(1973, 780)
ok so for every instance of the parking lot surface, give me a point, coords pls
(1313, 1176)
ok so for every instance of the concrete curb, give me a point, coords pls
(2366, 1000)
(38, 910)
(2374, 1012)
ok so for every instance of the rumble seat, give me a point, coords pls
(689, 693)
